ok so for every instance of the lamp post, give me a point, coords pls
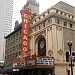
(70, 45)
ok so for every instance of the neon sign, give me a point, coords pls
(25, 18)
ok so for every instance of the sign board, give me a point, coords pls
(34, 61)
(45, 61)
(26, 63)
(25, 19)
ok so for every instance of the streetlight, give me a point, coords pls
(70, 45)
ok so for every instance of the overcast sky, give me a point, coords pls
(44, 4)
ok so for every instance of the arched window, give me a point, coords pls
(67, 56)
(42, 47)
(73, 54)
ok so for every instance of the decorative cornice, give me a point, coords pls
(59, 28)
(49, 28)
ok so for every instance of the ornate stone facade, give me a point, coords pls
(57, 26)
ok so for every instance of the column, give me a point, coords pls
(54, 41)
(46, 42)
(32, 45)
(49, 45)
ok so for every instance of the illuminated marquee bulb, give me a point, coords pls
(25, 43)
(25, 37)
(25, 31)
(24, 49)
(25, 15)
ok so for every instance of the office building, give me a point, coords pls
(8, 17)
(6, 12)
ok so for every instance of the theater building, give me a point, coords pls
(48, 50)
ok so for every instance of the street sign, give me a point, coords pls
(71, 57)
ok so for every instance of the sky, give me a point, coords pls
(44, 5)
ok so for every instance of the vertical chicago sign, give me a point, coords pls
(25, 18)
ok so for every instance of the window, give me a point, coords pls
(5, 57)
(56, 11)
(68, 72)
(11, 38)
(16, 54)
(57, 21)
(72, 17)
(67, 56)
(20, 33)
(39, 27)
(19, 53)
(43, 24)
(73, 54)
(48, 12)
(44, 15)
(65, 14)
(16, 40)
(13, 42)
(61, 13)
(19, 39)
(70, 25)
(19, 46)
(31, 30)
(13, 48)
(35, 20)
(65, 23)
(48, 21)
(39, 17)
(13, 55)
(35, 29)
(16, 35)
(68, 15)
(8, 57)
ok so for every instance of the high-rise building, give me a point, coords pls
(8, 18)
(6, 11)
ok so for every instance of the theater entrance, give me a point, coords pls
(39, 71)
